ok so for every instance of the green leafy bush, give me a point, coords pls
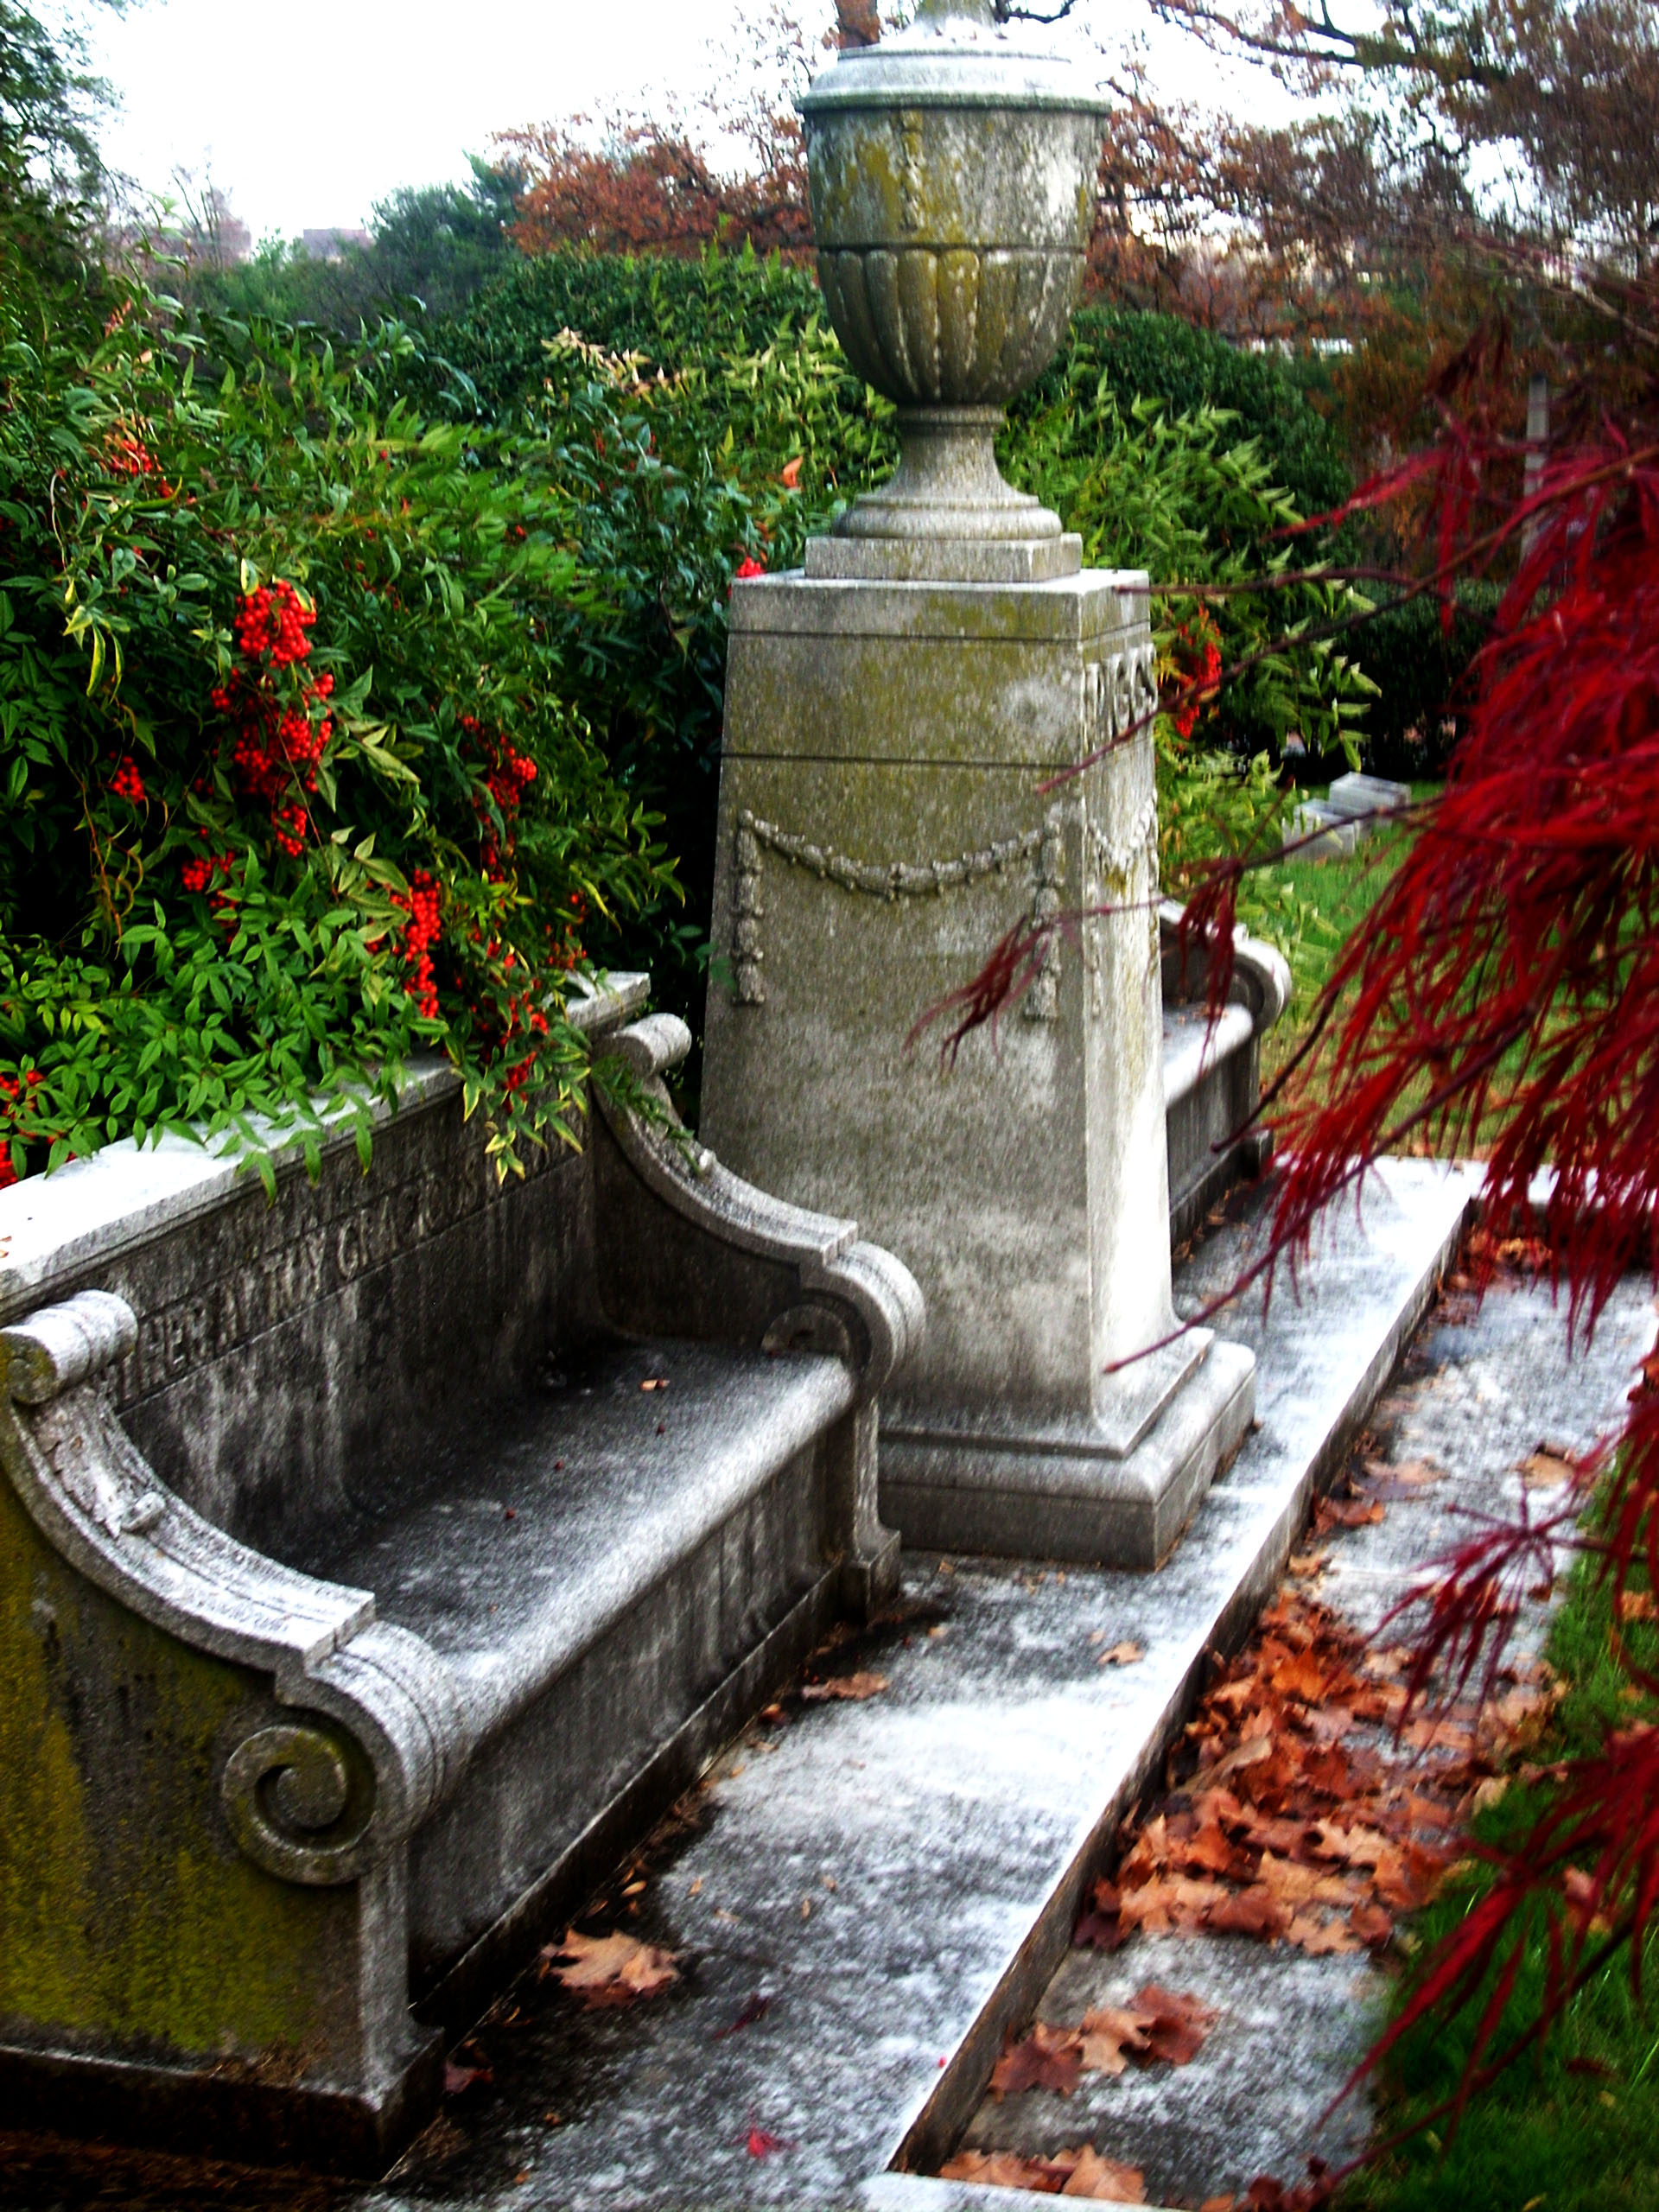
(676, 315)
(431, 248)
(1188, 372)
(292, 781)
(236, 877)
(1419, 664)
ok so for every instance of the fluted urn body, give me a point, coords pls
(953, 174)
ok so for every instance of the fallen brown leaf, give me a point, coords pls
(1301, 1677)
(1046, 2058)
(1355, 1846)
(1161, 1906)
(1319, 1938)
(1254, 1748)
(1254, 1911)
(1178, 2023)
(1212, 1853)
(854, 1686)
(604, 1970)
(1545, 1470)
(1080, 2172)
(1293, 1884)
(1371, 1924)
(1103, 2178)
(1636, 1605)
(1004, 2170)
(1107, 2033)
(1383, 1483)
(1346, 1513)
(1102, 1927)
(1122, 1654)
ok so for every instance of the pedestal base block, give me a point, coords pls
(945, 560)
(1060, 1490)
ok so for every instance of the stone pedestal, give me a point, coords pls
(882, 824)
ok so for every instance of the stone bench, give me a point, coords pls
(1212, 1076)
(376, 1565)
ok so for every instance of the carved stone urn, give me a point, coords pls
(953, 172)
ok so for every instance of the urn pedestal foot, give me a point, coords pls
(1059, 1490)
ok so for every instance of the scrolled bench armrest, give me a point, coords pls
(831, 1266)
(351, 1680)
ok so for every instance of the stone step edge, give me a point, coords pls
(928, 2138)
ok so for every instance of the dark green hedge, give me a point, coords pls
(1156, 357)
(677, 314)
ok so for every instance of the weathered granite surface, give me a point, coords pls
(958, 1814)
(880, 827)
(375, 1563)
(1354, 797)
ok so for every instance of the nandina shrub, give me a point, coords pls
(293, 782)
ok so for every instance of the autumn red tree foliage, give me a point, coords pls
(652, 184)
(645, 187)
(1505, 997)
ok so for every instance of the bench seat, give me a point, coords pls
(1212, 1072)
(637, 1572)
(602, 1507)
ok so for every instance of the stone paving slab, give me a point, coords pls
(1480, 1389)
(958, 1816)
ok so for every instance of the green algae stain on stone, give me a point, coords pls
(128, 1918)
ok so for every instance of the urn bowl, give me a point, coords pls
(953, 172)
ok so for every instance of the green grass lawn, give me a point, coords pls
(1574, 2126)
(1312, 907)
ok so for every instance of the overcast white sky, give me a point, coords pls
(308, 113)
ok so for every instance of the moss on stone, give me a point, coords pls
(128, 1917)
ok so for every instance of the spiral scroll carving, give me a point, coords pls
(293, 1804)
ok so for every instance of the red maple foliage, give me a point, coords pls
(1502, 1000)
(647, 189)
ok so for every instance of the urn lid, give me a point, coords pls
(955, 55)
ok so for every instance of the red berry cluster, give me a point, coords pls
(274, 620)
(420, 933)
(127, 783)
(507, 776)
(748, 567)
(126, 455)
(1203, 676)
(12, 1094)
(564, 944)
(278, 744)
(198, 875)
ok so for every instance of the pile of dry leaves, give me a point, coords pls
(1307, 1807)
